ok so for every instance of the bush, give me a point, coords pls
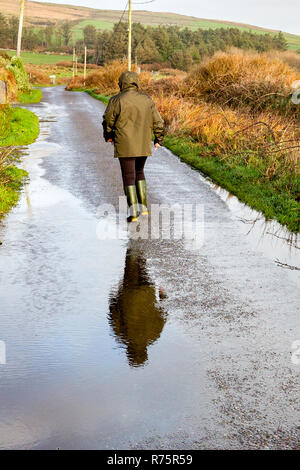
(5, 56)
(267, 141)
(239, 79)
(169, 86)
(289, 57)
(103, 82)
(16, 66)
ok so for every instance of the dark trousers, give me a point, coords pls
(132, 169)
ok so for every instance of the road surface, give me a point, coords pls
(120, 343)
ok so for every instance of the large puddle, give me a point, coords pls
(84, 328)
(114, 343)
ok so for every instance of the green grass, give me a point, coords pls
(293, 41)
(21, 128)
(31, 96)
(210, 24)
(99, 24)
(39, 59)
(11, 181)
(103, 98)
(269, 197)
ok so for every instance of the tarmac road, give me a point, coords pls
(120, 343)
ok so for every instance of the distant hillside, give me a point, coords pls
(41, 14)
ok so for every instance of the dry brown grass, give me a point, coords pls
(37, 75)
(263, 136)
(289, 57)
(40, 74)
(219, 105)
(154, 67)
(47, 12)
(103, 82)
(172, 72)
(80, 65)
(168, 86)
(238, 79)
(12, 86)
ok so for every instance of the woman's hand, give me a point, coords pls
(156, 146)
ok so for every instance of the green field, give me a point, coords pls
(292, 39)
(210, 24)
(36, 58)
(99, 25)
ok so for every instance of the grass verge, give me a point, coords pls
(268, 197)
(11, 182)
(21, 128)
(103, 98)
(31, 96)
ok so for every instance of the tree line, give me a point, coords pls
(50, 38)
(171, 45)
(181, 48)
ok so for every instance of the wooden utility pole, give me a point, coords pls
(84, 69)
(20, 29)
(129, 36)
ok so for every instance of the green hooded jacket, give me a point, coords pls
(130, 118)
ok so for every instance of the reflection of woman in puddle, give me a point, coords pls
(135, 317)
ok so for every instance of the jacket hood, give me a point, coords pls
(128, 80)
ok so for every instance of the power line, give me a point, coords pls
(122, 16)
(128, 3)
(143, 3)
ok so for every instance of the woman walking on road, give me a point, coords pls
(128, 122)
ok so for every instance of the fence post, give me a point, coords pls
(3, 92)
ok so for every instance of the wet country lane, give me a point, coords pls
(119, 343)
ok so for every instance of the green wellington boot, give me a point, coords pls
(132, 202)
(142, 196)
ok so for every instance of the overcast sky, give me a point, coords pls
(275, 14)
